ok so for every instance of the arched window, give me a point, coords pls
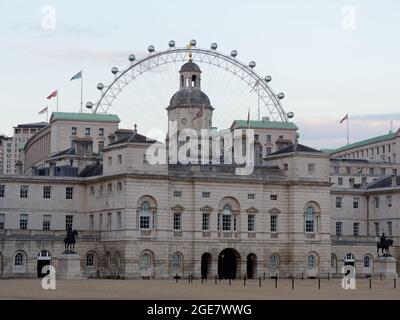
(311, 262)
(310, 220)
(90, 260)
(176, 260)
(144, 215)
(182, 81)
(274, 261)
(145, 261)
(227, 217)
(193, 80)
(367, 262)
(19, 259)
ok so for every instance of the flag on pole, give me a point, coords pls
(198, 115)
(344, 118)
(53, 94)
(77, 76)
(248, 117)
(44, 110)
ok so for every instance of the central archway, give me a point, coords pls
(228, 262)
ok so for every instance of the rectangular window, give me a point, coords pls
(177, 221)
(119, 186)
(23, 221)
(205, 225)
(311, 168)
(371, 170)
(356, 227)
(101, 190)
(356, 203)
(145, 159)
(87, 131)
(119, 158)
(92, 191)
(2, 221)
(101, 132)
(46, 222)
(73, 131)
(91, 222)
(23, 192)
(340, 181)
(256, 138)
(101, 146)
(109, 220)
(376, 228)
(109, 161)
(376, 201)
(348, 170)
(109, 187)
(383, 171)
(177, 194)
(46, 192)
(251, 196)
(389, 227)
(69, 222)
(101, 221)
(119, 220)
(389, 201)
(268, 138)
(338, 202)
(251, 218)
(226, 222)
(205, 194)
(268, 150)
(273, 197)
(69, 192)
(2, 190)
(339, 228)
(274, 223)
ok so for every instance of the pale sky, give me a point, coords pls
(325, 67)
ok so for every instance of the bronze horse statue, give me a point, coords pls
(384, 245)
(69, 241)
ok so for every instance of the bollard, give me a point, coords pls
(302, 276)
(229, 281)
(244, 281)
(319, 283)
(276, 282)
(381, 277)
(189, 278)
(292, 283)
(215, 279)
(370, 283)
(394, 283)
(259, 281)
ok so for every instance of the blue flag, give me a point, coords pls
(77, 76)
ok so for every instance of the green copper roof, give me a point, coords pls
(91, 117)
(255, 124)
(384, 137)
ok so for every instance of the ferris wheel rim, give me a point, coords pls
(196, 51)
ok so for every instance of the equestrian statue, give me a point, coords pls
(384, 245)
(69, 241)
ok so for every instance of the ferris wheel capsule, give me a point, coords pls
(100, 86)
(171, 43)
(234, 53)
(193, 43)
(268, 78)
(150, 49)
(89, 105)
(281, 95)
(252, 64)
(290, 114)
(214, 46)
(131, 57)
(114, 70)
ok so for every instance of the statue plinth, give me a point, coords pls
(69, 266)
(386, 266)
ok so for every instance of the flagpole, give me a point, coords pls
(47, 114)
(57, 99)
(347, 129)
(81, 91)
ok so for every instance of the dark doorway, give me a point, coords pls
(227, 264)
(251, 266)
(43, 259)
(205, 265)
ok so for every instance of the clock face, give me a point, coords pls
(184, 121)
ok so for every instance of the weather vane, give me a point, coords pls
(189, 46)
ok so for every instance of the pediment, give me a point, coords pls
(274, 210)
(252, 210)
(206, 208)
(177, 208)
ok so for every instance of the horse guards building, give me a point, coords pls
(301, 212)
